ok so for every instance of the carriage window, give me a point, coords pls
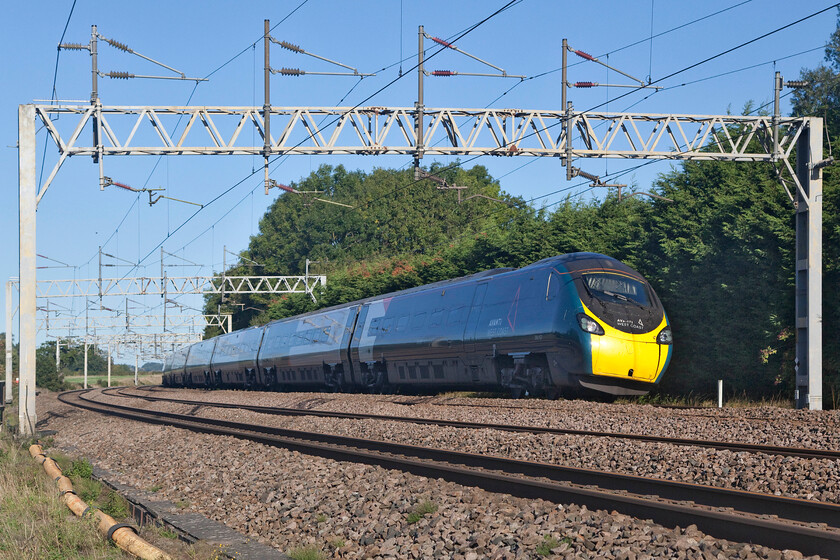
(387, 325)
(456, 316)
(553, 287)
(374, 326)
(436, 318)
(418, 320)
(402, 323)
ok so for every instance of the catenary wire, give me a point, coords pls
(672, 74)
(633, 44)
(508, 5)
(178, 122)
(611, 176)
(54, 95)
(345, 96)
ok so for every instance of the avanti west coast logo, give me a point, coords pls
(629, 324)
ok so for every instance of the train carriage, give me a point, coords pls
(234, 362)
(309, 351)
(197, 367)
(173, 367)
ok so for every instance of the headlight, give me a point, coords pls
(588, 324)
(664, 336)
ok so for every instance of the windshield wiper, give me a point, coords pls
(624, 298)
(591, 295)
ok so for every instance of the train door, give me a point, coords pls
(355, 342)
(346, 358)
(472, 320)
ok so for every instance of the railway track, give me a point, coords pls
(803, 452)
(458, 402)
(779, 522)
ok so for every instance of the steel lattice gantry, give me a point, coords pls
(565, 134)
(170, 285)
(390, 130)
(160, 323)
(99, 328)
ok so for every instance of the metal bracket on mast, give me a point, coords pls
(596, 182)
(447, 73)
(266, 102)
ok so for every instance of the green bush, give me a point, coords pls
(79, 469)
(306, 553)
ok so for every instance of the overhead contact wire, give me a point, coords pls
(389, 84)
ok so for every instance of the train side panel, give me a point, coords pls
(234, 361)
(416, 339)
(173, 368)
(517, 329)
(310, 350)
(197, 368)
(570, 356)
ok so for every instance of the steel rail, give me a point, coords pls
(431, 400)
(710, 508)
(802, 452)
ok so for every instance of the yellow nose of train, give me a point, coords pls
(627, 355)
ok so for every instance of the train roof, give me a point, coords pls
(565, 258)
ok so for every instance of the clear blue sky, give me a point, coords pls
(74, 217)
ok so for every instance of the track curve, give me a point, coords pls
(803, 452)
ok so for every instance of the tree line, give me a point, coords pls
(48, 376)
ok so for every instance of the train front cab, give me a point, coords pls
(624, 330)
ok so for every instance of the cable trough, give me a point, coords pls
(780, 522)
(802, 452)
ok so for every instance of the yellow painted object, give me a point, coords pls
(615, 353)
(123, 537)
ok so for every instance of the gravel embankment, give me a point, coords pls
(760, 425)
(812, 479)
(290, 500)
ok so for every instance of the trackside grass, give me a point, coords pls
(34, 523)
(98, 380)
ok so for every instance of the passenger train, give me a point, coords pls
(570, 324)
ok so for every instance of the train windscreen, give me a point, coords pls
(616, 288)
